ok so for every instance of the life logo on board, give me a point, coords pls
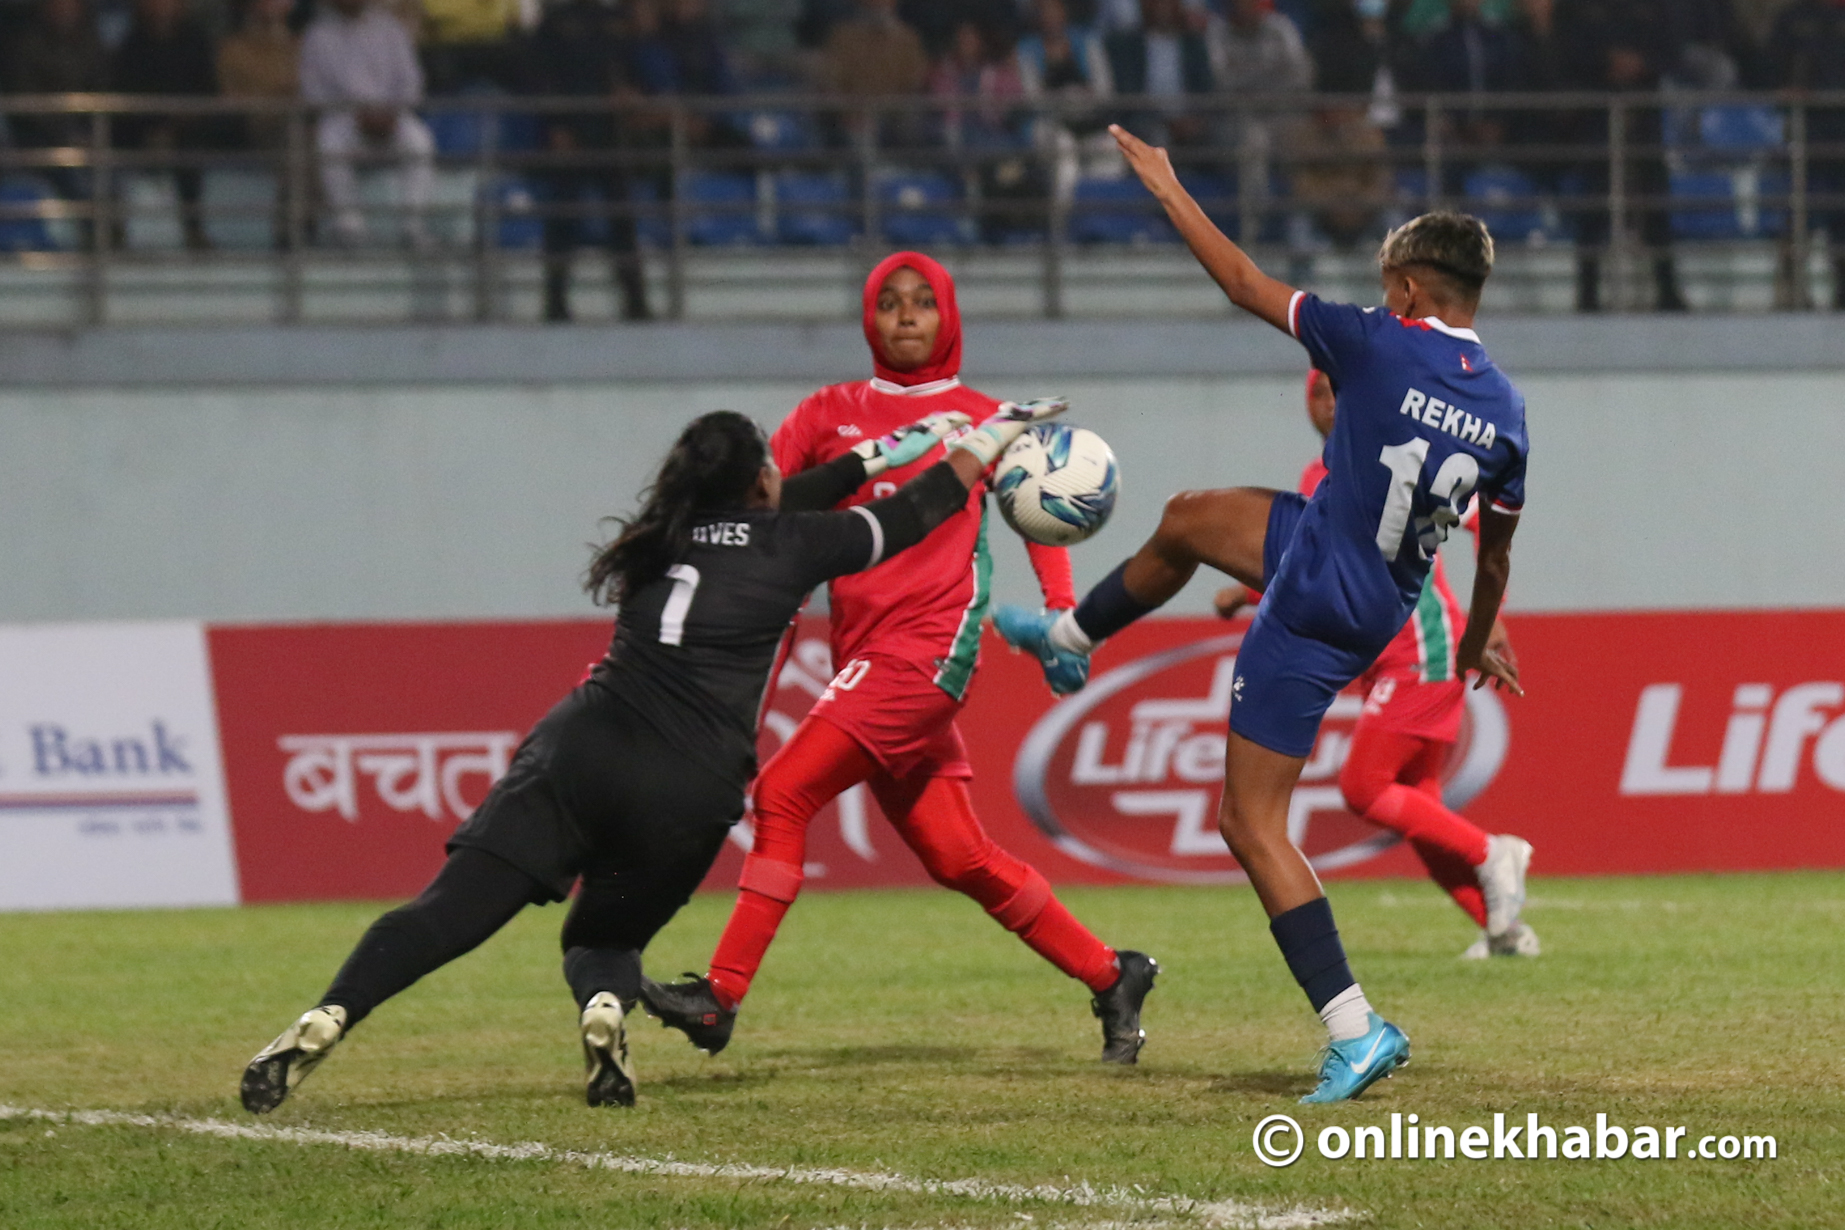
(1127, 774)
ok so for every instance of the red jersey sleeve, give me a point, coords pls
(1052, 564)
(1311, 477)
(792, 443)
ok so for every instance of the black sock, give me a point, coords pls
(1310, 943)
(589, 970)
(1108, 608)
(474, 895)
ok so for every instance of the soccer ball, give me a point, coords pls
(1057, 484)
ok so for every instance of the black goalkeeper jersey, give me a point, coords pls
(693, 650)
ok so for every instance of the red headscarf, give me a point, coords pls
(945, 360)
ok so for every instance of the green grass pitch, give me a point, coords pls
(905, 1033)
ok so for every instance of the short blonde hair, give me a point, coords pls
(1456, 245)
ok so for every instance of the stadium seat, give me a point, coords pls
(814, 208)
(1506, 200)
(1117, 211)
(720, 208)
(464, 133)
(1741, 129)
(1216, 195)
(21, 234)
(520, 226)
(1727, 203)
(920, 208)
(778, 130)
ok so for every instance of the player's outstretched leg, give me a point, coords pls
(1362, 1048)
(1393, 779)
(474, 895)
(1225, 529)
(818, 762)
(935, 817)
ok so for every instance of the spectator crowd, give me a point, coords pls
(980, 65)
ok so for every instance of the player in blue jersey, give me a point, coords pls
(1425, 424)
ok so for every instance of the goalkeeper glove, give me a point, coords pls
(909, 442)
(996, 435)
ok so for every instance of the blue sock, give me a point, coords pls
(1310, 943)
(1108, 608)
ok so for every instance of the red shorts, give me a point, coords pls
(892, 709)
(1398, 701)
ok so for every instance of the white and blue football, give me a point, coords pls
(1056, 484)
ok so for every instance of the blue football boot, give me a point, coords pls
(1349, 1068)
(1030, 631)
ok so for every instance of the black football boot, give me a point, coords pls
(1119, 1007)
(692, 1006)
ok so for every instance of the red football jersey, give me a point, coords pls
(926, 604)
(1428, 642)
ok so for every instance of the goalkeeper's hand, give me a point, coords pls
(994, 436)
(908, 443)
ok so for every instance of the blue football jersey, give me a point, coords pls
(1425, 424)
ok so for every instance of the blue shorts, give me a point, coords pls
(1285, 682)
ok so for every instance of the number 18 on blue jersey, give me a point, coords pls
(1425, 424)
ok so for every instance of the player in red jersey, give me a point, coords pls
(1414, 696)
(904, 641)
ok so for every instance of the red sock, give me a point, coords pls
(1456, 877)
(747, 936)
(1059, 938)
(1426, 821)
(1392, 779)
(818, 762)
(935, 816)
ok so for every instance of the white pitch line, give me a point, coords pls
(1211, 1213)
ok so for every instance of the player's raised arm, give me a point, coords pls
(900, 521)
(1247, 286)
(825, 485)
(1478, 651)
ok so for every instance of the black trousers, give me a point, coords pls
(594, 794)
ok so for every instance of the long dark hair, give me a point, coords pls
(711, 467)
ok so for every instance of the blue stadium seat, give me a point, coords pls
(814, 208)
(19, 234)
(920, 208)
(463, 134)
(720, 208)
(1741, 129)
(1727, 204)
(779, 130)
(1412, 186)
(1506, 200)
(520, 226)
(1117, 211)
(1216, 195)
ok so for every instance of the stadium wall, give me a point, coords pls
(1683, 508)
(271, 474)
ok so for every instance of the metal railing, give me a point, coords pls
(685, 181)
